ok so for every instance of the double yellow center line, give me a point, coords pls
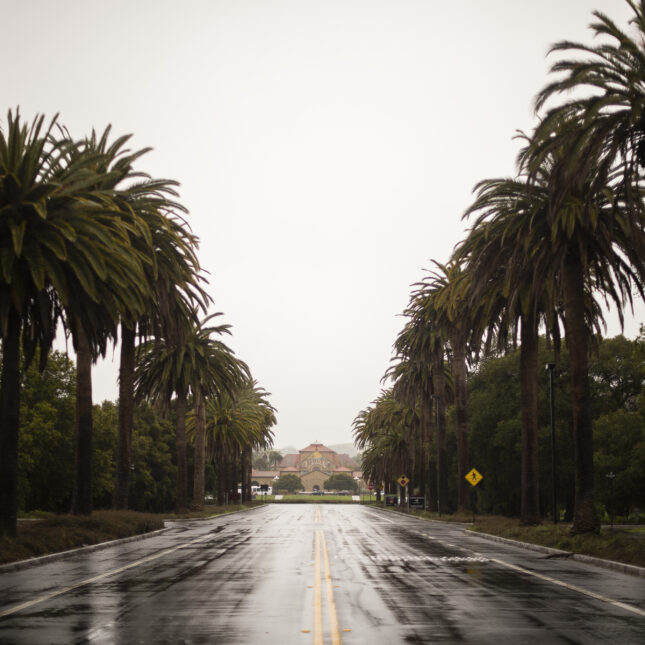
(321, 553)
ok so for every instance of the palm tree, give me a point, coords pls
(412, 377)
(425, 342)
(62, 258)
(173, 274)
(445, 293)
(236, 423)
(90, 332)
(547, 250)
(497, 256)
(596, 205)
(607, 83)
(382, 432)
(193, 362)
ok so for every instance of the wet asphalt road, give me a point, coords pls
(318, 574)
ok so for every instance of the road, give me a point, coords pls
(318, 574)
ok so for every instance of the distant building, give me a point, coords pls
(314, 465)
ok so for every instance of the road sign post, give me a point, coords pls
(473, 478)
(403, 482)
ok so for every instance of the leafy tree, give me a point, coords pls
(289, 483)
(274, 458)
(46, 439)
(154, 472)
(261, 462)
(340, 481)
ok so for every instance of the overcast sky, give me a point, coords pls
(326, 150)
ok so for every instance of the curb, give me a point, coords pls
(587, 559)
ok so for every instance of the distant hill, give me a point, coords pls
(344, 449)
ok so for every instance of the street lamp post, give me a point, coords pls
(550, 367)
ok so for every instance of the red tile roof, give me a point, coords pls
(313, 447)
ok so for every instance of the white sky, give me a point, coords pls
(326, 150)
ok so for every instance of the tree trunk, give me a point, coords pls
(585, 518)
(459, 372)
(530, 508)
(9, 425)
(439, 386)
(247, 469)
(82, 497)
(199, 478)
(218, 459)
(431, 464)
(181, 503)
(126, 419)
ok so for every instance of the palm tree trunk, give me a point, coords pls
(459, 372)
(439, 386)
(9, 425)
(181, 502)
(199, 478)
(585, 518)
(247, 457)
(82, 497)
(431, 463)
(530, 508)
(126, 417)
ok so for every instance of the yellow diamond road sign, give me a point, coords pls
(474, 477)
(403, 480)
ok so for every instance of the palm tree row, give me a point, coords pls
(545, 249)
(89, 243)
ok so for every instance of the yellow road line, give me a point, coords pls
(88, 581)
(586, 592)
(331, 606)
(318, 628)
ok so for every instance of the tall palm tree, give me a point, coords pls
(89, 333)
(425, 341)
(497, 254)
(596, 207)
(197, 364)
(236, 424)
(62, 257)
(604, 94)
(173, 274)
(444, 292)
(382, 432)
(554, 249)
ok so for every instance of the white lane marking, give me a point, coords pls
(427, 558)
(107, 574)
(381, 518)
(586, 592)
